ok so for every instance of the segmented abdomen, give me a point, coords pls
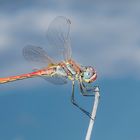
(47, 71)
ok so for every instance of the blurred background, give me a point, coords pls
(104, 34)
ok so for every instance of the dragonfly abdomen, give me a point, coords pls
(13, 78)
(27, 75)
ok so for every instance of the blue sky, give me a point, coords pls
(104, 34)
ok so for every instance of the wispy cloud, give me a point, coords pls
(18, 137)
(110, 37)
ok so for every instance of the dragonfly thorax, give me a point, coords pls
(73, 71)
(68, 69)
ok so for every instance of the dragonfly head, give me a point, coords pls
(89, 74)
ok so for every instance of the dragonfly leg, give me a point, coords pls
(85, 89)
(75, 103)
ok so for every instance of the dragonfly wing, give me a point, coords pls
(56, 79)
(58, 38)
(37, 55)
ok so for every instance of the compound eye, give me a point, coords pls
(88, 74)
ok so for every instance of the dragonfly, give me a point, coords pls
(59, 67)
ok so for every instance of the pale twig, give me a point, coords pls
(93, 114)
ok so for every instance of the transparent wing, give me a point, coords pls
(37, 55)
(56, 79)
(59, 39)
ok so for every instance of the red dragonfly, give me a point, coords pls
(55, 70)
